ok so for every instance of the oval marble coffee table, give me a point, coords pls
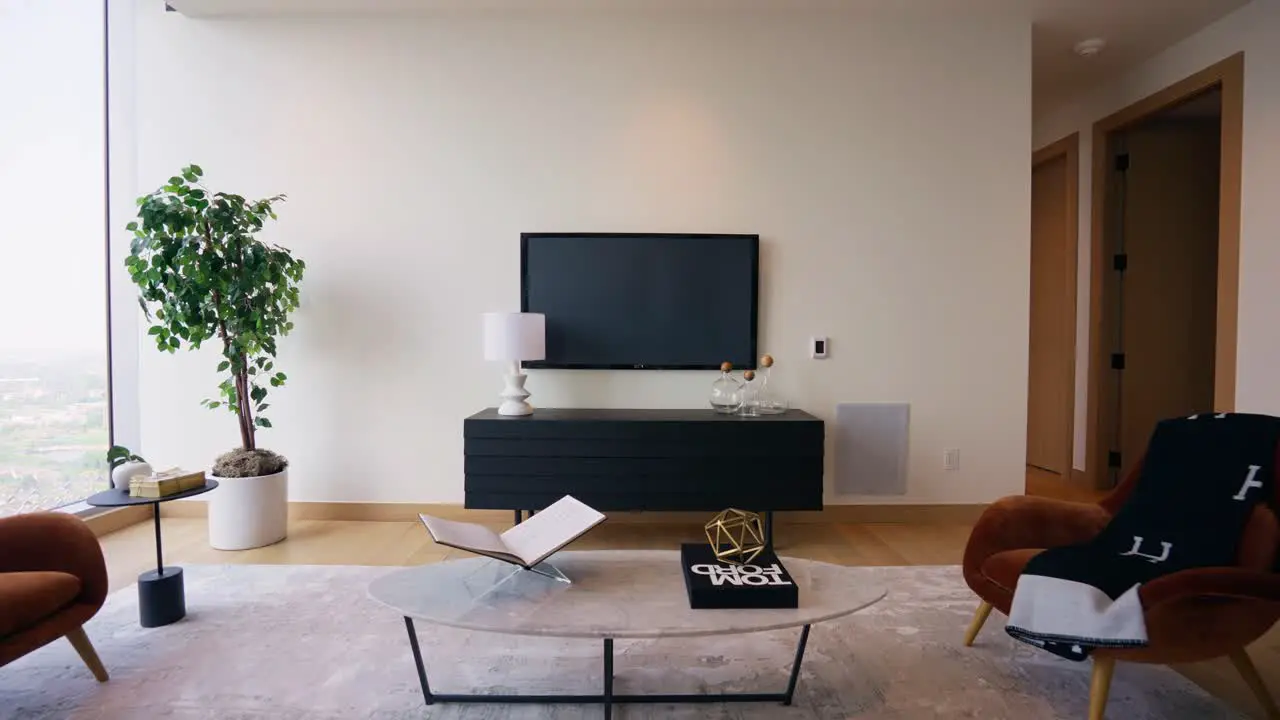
(613, 594)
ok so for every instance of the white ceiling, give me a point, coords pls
(1134, 29)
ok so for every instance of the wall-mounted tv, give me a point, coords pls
(642, 301)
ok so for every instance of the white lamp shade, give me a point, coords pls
(515, 336)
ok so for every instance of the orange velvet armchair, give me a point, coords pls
(52, 580)
(1191, 616)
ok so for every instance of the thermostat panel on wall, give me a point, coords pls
(818, 347)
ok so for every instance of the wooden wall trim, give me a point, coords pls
(1228, 75)
(1095, 434)
(109, 521)
(922, 514)
(1229, 193)
(1069, 149)
(1067, 146)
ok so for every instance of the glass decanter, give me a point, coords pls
(726, 392)
(768, 401)
(750, 395)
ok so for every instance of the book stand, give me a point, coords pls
(500, 577)
(545, 569)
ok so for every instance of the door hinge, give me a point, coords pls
(1113, 459)
(1122, 162)
(1117, 361)
(1120, 262)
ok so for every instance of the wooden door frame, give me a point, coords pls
(1228, 76)
(1068, 148)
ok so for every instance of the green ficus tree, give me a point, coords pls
(203, 275)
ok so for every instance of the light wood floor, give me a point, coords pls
(1050, 484)
(131, 550)
(338, 542)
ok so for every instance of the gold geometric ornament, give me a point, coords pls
(741, 531)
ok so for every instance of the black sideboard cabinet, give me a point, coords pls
(643, 460)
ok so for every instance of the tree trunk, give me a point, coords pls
(243, 402)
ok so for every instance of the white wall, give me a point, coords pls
(883, 163)
(1255, 30)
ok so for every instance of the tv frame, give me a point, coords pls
(525, 237)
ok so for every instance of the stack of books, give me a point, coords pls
(166, 483)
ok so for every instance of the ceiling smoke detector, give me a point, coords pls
(1091, 47)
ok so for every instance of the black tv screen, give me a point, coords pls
(638, 301)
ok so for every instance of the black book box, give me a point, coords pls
(713, 584)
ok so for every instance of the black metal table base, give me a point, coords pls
(161, 597)
(162, 600)
(607, 697)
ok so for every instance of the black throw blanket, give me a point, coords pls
(1200, 480)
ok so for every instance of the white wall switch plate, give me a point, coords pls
(819, 347)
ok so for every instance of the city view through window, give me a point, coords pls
(53, 314)
(53, 429)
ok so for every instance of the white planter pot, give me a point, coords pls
(249, 512)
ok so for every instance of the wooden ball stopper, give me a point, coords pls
(726, 366)
(766, 361)
(749, 375)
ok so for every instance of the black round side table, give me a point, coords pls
(161, 599)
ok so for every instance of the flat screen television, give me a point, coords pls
(642, 301)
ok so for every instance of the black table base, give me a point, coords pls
(607, 698)
(161, 597)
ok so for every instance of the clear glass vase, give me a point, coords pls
(750, 395)
(726, 392)
(768, 401)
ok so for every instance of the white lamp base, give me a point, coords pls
(514, 395)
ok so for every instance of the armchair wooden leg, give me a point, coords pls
(81, 643)
(1244, 664)
(1103, 667)
(979, 619)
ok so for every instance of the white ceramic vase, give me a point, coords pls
(121, 473)
(249, 512)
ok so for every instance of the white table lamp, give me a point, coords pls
(514, 337)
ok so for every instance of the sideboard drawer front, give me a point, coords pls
(694, 470)
(810, 446)
(644, 460)
(607, 502)
(691, 426)
(658, 484)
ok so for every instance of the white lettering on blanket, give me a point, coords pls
(1249, 482)
(1137, 545)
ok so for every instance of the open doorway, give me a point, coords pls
(1162, 299)
(1166, 244)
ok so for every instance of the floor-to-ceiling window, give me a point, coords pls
(53, 315)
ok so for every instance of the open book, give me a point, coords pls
(526, 544)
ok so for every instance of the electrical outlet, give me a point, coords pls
(951, 459)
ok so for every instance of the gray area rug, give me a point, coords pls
(294, 642)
